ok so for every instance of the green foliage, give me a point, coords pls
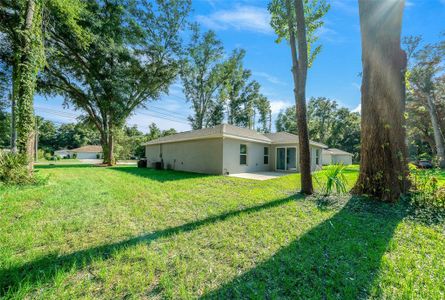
(424, 98)
(327, 123)
(213, 85)
(14, 169)
(233, 239)
(426, 189)
(314, 11)
(132, 58)
(203, 75)
(334, 180)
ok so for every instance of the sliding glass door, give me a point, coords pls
(281, 159)
(286, 159)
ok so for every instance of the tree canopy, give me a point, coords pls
(132, 58)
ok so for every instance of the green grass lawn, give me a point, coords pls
(131, 233)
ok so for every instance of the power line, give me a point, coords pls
(149, 114)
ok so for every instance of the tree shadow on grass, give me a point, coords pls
(43, 270)
(337, 259)
(159, 175)
(63, 166)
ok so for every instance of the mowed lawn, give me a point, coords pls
(128, 233)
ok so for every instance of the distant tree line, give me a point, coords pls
(335, 126)
(52, 136)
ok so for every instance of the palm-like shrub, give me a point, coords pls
(14, 169)
(334, 180)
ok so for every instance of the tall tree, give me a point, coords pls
(297, 22)
(202, 77)
(383, 165)
(132, 58)
(425, 80)
(321, 112)
(23, 30)
(262, 105)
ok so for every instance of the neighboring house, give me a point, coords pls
(227, 149)
(85, 152)
(62, 153)
(336, 156)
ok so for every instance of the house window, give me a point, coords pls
(317, 156)
(243, 154)
(266, 155)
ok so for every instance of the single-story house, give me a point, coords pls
(85, 152)
(62, 153)
(333, 156)
(228, 149)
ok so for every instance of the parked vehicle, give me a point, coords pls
(424, 164)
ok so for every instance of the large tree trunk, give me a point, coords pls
(107, 143)
(438, 136)
(14, 109)
(383, 165)
(29, 63)
(299, 72)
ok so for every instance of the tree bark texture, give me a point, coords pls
(14, 109)
(383, 164)
(299, 72)
(30, 61)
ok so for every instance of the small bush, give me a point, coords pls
(14, 169)
(335, 180)
(425, 190)
(48, 156)
(74, 155)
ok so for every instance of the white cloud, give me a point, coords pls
(277, 105)
(268, 77)
(249, 18)
(358, 109)
(329, 35)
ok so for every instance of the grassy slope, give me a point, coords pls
(137, 233)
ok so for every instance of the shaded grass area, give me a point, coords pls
(137, 233)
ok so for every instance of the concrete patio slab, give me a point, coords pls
(259, 175)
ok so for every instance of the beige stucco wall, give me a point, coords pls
(218, 156)
(327, 158)
(200, 156)
(255, 157)
(342, 159)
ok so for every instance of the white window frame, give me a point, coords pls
(266, 155)
(285, 157)
(242, 154)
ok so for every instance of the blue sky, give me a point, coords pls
(245, 24)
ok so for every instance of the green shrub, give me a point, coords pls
(41, 154)
(335, 180)
(74, 155)
(48, 156)
(425, 189)
(14, 169)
